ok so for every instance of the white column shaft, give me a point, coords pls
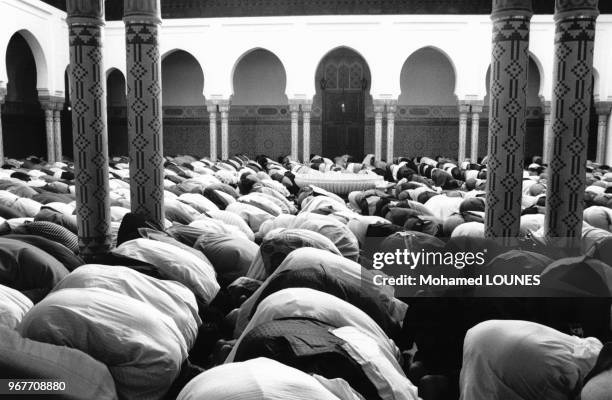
(546, 147)
(475, 138)
(602, 130)
(57, 135)
(462, 136)
(50, 135)
(390, 135)
(294, 133)
(224, 132)
(378, 135)
(306, 138)
(212, 116)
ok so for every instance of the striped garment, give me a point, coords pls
(51, 231)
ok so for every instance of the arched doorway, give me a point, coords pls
(184, 107)
(427, 120)
(116, 115)
(259, 106)
(23, 123)
(343, 80)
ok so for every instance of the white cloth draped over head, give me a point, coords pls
(282, 242)
(199, 202)
(207, 224)
(253, 216)
(342, 237)
(232, 219)
(263, 201)
(313, 203)
(443, 206)
(172, 262)
(599, 217)
(13, 306)
(519, 360)
(309, 303)
(282, 221)
(531, 223)
(168, 297)
(339, 266)
(264, 379)
(359, 226)
(469, 229)
(142, 348)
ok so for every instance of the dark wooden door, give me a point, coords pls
(343, 123)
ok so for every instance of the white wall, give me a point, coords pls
(45, 30)
(384, 41)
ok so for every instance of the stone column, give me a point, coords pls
(306, 109)
(50, 135)
(57, 131)
(224, 107)
(464, 109)
(507, 118)
(572, 93)
(2, 95)
(379, 108)
(391, 108)
(603, 114)
(212, 117)
(144, 100)
(476, 110)
(88, 97)
(294, 109)
(546, 147)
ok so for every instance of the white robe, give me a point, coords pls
(519, 360)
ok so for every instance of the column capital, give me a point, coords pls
(51, 102)
(511, 8)
(391, 107)
(546, 107)
(379, 106)
(307, 107)
(464, 107)
(294, 107)
(576, 8)
(224, 105)
(476, 105)
(87, 11)
(211, 106)
(142, 11)
(603, 107)
(2, 94)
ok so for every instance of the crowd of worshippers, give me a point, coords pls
(256, 288)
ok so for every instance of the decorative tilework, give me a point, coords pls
(572, 83)
(507, 118)
(87, 91)
(145, 133)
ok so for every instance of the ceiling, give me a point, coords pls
(254, 8)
